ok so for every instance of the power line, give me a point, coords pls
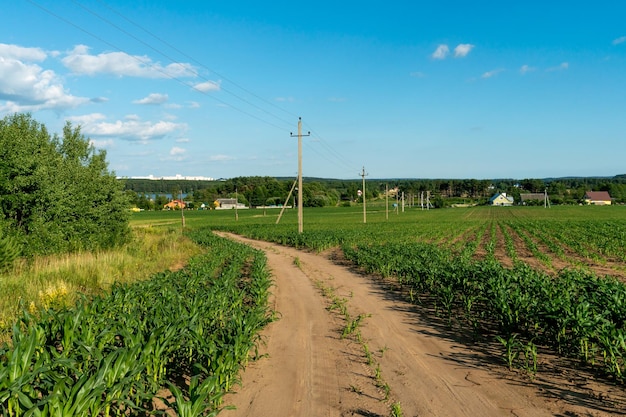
(331, 152)
(158, 51)
(194, 60)
(170, 76)
(338, 157)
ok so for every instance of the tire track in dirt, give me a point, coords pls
(311, 371)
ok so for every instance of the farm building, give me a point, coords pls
(598, 198)
(501, 199)
(227, 204)
(175, 205)
(533, 198)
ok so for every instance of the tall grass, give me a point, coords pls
(56, 281)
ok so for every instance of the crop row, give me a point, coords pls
(573, 312)
(111, 355)
(576, 314)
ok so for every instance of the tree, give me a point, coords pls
(56, 193)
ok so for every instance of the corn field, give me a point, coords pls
(180, 336)
(525, 276)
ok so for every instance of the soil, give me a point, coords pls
(400, 360)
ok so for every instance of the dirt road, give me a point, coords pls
(401, 363)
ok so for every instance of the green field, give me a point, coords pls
(583, 237)
(528, 277)
(531, 280)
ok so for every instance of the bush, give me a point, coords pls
(56, 194)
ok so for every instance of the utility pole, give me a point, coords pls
(386, 202)
(300, 171)
(236, 204)
(182, 208)
(363, 174)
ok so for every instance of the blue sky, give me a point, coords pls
(406, 89)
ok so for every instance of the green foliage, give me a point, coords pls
(9, 251)
(111, 355)
(56, 194)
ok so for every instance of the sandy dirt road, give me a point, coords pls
(401, 359)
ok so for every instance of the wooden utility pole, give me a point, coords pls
(363, 174)
(182, 208)
(386, 202)
(300, 172)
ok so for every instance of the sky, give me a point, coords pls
(395, 89)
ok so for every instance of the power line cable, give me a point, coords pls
(168, 75)
(186, 56)
(324, 144)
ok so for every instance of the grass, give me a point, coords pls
(56, 281)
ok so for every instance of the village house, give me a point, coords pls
(533, 198)
(175, 205)
(501, 199)
(227, 204)
(598, 198)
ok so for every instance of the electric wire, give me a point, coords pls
(155, 68)
(195, 61)
(342, 160)
(158, 51)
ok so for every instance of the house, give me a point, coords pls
(598, 198)
(501, 199)
(175, 205)
(533, 198)
(227, 204)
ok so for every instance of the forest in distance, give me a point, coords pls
(319, 192)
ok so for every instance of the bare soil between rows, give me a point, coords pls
(406, 358)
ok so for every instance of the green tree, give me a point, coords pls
(56, 193)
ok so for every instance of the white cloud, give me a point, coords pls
(21, 53)
(131, 128)
(526, 68)
(86, 118)
(28, 87)
(441, 52)
(183, 140)
(121, 64)
(175, 151)
(154, 98)
(99, 144)
(563, 66)
(462, 50)
(193, 104)
(619, 40)
(418, 74)
(492, 73)
(207, 86)
(285, 99)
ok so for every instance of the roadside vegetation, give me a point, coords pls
(174, 342)
(99, 318)
(55, 281)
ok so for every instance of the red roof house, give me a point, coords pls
(598, 198)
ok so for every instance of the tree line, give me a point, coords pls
(318, 192)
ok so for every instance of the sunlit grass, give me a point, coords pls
(56, 281)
